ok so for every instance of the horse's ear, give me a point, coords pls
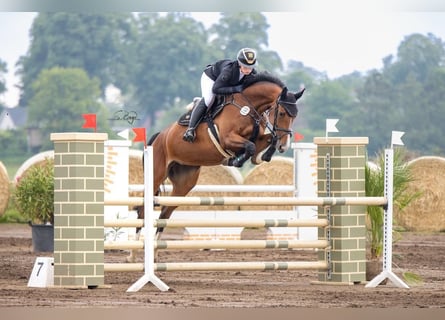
(283, 93)
(299, 94)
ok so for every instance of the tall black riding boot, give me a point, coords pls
(197, 113)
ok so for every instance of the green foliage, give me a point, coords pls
(13, 143)
(11, 215)
(170, 59)
(3, 70)
(100, 44)
(236, 30)
(34, 193)
(61, 96)
(412, 279)
(156, 59)
(329, 99)
(374, 187)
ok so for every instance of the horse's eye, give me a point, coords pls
(282, 114)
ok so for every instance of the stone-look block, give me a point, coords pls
(347, 157)
(78, 202)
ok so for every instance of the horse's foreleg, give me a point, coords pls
(239, 160)
(133, 252)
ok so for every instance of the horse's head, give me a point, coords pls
(281, 117)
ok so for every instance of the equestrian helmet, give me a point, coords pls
(247, 58)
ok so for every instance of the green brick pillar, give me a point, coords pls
(78, 209)
(346, 158)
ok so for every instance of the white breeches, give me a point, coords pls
(206, 89)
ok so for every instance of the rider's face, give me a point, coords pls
(245, 71)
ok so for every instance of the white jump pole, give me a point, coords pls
(387, 228)
(253, 201)
(305, 182)
(149, 230)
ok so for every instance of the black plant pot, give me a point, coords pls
(42, 237)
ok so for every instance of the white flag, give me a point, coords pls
(396, 138)
(330, 125)
(124, 134)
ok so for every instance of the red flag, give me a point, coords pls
(140, 135)
(298, 137)
(90, 121)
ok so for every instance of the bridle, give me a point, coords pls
(270, 128)
(275, 128)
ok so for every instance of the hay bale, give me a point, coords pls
(216, 175)
(279, 171)
(427, 212)
(135, 170)
(4, 189)
(36, 159)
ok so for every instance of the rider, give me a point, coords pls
(222, 77)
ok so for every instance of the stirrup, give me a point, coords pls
(189, 135)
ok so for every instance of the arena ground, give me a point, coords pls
(422, 254)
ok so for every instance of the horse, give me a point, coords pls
(251, 124)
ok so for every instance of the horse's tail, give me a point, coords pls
(153, 138)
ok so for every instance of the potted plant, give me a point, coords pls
(34, 199)
(374, 186)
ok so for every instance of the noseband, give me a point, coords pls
(274, 129)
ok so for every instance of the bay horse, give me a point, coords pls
(251, 124)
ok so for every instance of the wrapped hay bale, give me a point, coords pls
(34, 160)
(216, 175)
(4, 189)
(135, 171)
(279, 171)
(427, 211)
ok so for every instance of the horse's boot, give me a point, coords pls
(197, 113)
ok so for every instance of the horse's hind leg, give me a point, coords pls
(183, 179)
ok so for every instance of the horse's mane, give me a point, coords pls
(262, 76)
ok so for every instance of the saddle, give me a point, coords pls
(211, 113)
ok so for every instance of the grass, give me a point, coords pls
(12, 164)
(12, 215)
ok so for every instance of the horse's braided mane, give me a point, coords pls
(262, 76)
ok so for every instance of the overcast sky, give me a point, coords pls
(336, 42)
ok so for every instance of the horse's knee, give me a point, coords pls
(239, 160)
(250, 149)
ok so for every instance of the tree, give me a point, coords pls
(61, 96)
(417, 55)
(3, 70)
(101, 44)
(406, 95)
(236, 30)
(170, 57)
(329, 99)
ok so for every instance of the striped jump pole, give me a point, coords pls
(221, 244)
(387, 272)
(254, 201)
(182, 223)
(220, 266)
